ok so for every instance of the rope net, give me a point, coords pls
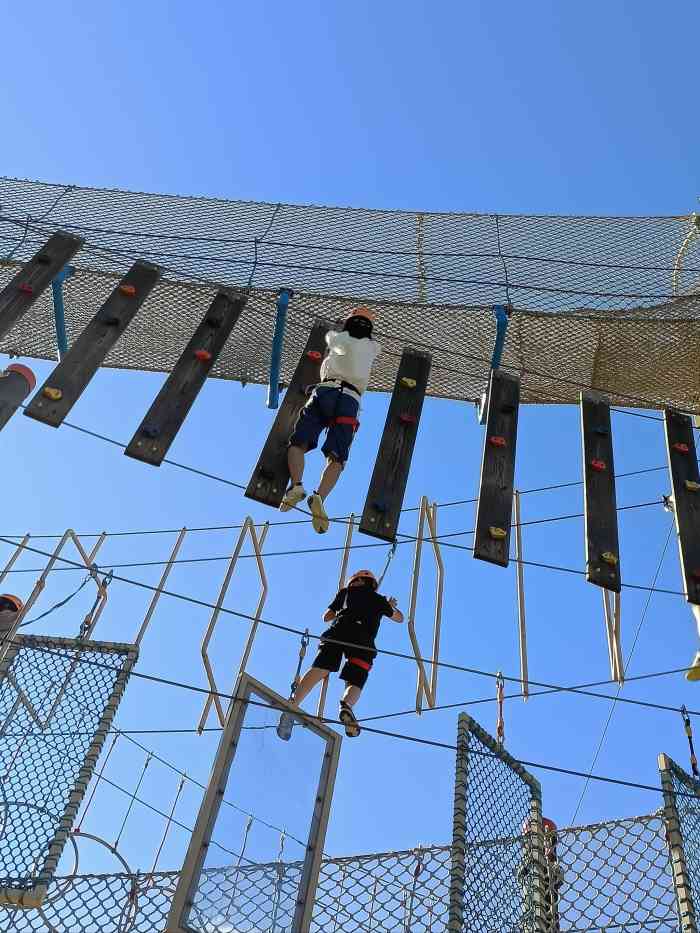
(593, 298)
(616, 875)
(55, 714)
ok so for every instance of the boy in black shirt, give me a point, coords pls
(356, 614)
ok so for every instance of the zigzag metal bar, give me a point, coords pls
(159, 589)
(257, 541)
(34, 277)
(424, 688)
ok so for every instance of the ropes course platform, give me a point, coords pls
(609, 303)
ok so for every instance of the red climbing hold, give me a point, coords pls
(128, 290)
(406, 418)
(680, 448)
(599, 466)
(314, 355)
(203, 355)
(27, 289)
(497, 441)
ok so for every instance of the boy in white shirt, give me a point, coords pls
(334, 405)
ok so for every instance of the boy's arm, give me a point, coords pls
(335, 607)
(397, 615)
(338, 341)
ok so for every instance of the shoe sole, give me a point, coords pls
(319, 518)
(287, 506)
(352, 727)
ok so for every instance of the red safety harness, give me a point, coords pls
(365, 665)
(346, 419)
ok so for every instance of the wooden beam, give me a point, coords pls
(602, 543)
(271, 474)
(495, 507)
(71, 377)
(34, 277)
(170, 407)
(685, 484)
(382, 511)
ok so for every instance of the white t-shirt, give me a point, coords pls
(349, 358)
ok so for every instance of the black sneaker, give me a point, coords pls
(347, 717)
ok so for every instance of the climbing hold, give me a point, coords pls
(695, 574)
(314, 355)
(406, 418)
(498, 534)
(26, 288)
(609, 558)
(497, 441)
(128, 290)
(692, 486)
(150, 431)
(111, 320)
(43, 259)
(408, 383)
(599, 466)
(50, 392)
(380, 505)
(680, 448)
(203, 355)
(602, 431)
(215, 320)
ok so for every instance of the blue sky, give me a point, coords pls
(544, 108)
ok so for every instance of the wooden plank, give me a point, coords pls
(271, 474)
(685, 484)
(495, 507)
(34, 277)
(382, 511)
(170, 407)
(70, 378)
(600, 502)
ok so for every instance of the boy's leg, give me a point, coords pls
(295, 462)
(313, 676)
(354, 673)
(337, 449)
(327, 660)
(351, 695)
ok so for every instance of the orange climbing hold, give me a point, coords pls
(497, 441)
(599, 466)
(680, 447)
(128, 290)
(203, 355)
(314, 355)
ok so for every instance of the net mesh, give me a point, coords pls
(593, 298)
(616, 876)
(55, 711)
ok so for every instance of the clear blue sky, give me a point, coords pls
(545, 107)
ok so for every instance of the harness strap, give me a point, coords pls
(365, 665)
(346, 419)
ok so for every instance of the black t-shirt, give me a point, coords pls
(360, 605)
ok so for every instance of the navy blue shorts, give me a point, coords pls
(325, 405)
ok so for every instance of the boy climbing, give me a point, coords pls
(334, 404)
(355, 614)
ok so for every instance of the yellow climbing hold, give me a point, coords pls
(692, 486)
(609, 558)
(409, 383)
(498, 533)
(53, 394)
(693, 672)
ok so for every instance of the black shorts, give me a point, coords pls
(358, 660)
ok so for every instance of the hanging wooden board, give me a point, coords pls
(271, 474)
(495, 507)
(171, 406)
(685, 484)
(34, 277)
(71, 377)
(602, 543)
(382, 511)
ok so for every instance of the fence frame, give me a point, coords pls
(687, 916)
(193, 866)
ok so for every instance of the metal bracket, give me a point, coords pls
(273, 389)
(502, 315)
(257, 541)
(612, 608)
(425, 688)
(59, 311)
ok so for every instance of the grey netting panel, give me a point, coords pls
(593, 298)
(55, 712)
(616, 877)
(687, 801)
(501, 876)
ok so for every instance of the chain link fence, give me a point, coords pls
(616, 876)
(56, 711)
(591, 296)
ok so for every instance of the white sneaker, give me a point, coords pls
(319, 518)
(292, 497)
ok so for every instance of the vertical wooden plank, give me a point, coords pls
(271, 474)
(495, 507)
(71, 377)
(34, 277)
(600, 503)
(685, 484)
(171, 406)
(382, 511)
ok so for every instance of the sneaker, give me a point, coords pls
(292, 497)
(347, 717)
(693, 673)
(285, 726)
(319, 518)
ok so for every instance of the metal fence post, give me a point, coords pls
(674, 839)
(539, 875)
(455, 921)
